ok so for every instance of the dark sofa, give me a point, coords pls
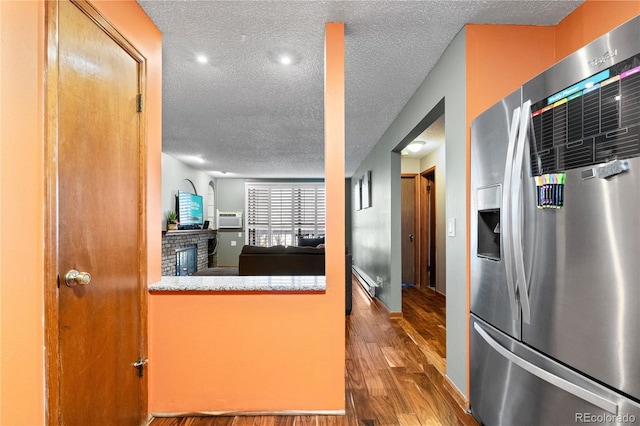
(291, 260)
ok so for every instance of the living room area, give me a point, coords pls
(280, 228)
(267, 212)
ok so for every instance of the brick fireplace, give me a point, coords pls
(174, 242)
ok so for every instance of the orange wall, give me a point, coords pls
(500, 58)
(246, 352)
(251, 352)
(21, 227)
(22, 395)
(591, 20)
(334, 159)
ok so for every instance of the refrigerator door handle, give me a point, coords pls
(552, 379)
(505, 224)
(516, 212)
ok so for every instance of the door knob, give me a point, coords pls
(411, 237)
(74, 277)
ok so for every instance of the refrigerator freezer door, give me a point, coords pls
(547, 392)
(584, 277)
(492, 298)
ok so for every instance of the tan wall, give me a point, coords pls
(437, 159)
(409, 165)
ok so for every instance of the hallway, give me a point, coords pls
(394, 370)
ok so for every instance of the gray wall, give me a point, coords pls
(174, 173)
(347, 212)
(371, 228)
(376, 231)
(230, 197)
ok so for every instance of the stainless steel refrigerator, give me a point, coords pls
(555, 250)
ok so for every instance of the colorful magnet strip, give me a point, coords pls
(550, 190)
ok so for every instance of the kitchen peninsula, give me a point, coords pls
(242, 344)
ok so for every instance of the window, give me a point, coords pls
(277, 213)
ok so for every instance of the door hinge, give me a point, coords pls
(139, 103)
(140, 366)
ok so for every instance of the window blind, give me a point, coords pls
(278, 213)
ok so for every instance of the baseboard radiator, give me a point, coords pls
(367, 283)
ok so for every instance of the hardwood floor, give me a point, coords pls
(394, 370)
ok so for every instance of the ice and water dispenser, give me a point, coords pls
(489, 202)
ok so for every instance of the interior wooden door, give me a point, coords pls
(408, 229)
(99, 224)
(428, 229)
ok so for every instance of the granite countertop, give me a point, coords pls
(241, 283)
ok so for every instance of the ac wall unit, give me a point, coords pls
(229, 220)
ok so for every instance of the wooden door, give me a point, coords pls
(408, 229)
(428, 229)
(100, 213)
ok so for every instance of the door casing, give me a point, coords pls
(424, 218)
(427, 233)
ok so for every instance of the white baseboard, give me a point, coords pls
(367, 283)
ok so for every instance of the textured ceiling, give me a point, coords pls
(433, 138)
(246, 114)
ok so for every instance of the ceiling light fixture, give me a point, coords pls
(415, 146)
(202, 59)
(285, 60)
(192, 159)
